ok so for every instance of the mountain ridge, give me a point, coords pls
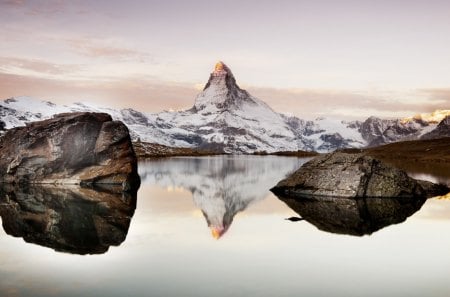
(228, 119)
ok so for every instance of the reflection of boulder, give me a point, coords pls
(221, 186)
(70, 148)
(353, 216)
(354, 175)
(70, 219)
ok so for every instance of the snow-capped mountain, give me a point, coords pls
(226, 118)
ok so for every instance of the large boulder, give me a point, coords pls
(72, 148)
(67, 219)
(354, 175)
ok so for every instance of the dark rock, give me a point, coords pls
(333, 141)
(442, 130)
(399, 131)
(355, 125)
(70, 219)
(133, 117)
(353, 175)
(356, 217)
(146, 150)
(294, 219)
(373, 128)
(72, 148)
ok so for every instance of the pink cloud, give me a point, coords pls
(37, 65)
(148, 94)
(141, 94)
(97, 49)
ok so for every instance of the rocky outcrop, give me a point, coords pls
(442, 130)
(376, 131)
(373, 127)
(72, 148)
(357, 217)
(354, 175)
(70, 219)
(146, 150)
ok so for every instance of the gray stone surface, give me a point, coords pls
(354, 175)
(72, 148)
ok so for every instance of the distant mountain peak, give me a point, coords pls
(434, 117)
(219, 69)
(221, 92)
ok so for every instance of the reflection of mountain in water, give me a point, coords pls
(70, 219)
(353, 216)
(221, 186)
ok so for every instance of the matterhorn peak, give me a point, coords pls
(220, 68)
(222, 74)
(221, 71)
(221, 91)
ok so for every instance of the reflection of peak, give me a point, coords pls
(219, 210)
(221, 186)
(218, 232)
(356, 217)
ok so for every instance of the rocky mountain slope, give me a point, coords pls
(228, 119)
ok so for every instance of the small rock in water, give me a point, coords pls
(294, 219)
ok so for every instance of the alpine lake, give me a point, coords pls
(209, 226)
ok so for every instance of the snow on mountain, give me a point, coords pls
(229, 118)
(435, 117)
(377, 131)
(226, 118)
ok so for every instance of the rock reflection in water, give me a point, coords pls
(67, 219)
(353, 216)
(221, 186)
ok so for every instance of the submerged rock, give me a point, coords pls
(358, 217)
(70, 148)
(67, 219)
(354, 175)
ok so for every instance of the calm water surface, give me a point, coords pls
(210, 227)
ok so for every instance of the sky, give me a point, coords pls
(307, 58)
